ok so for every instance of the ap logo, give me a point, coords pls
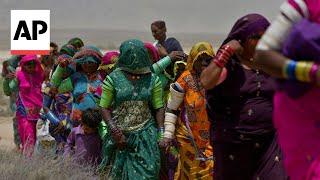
(30, 32)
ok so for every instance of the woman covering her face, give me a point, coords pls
(186, 118)
(240, 105)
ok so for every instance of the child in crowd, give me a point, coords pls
(84, 143)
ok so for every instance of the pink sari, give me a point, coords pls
(152, 51)
(297, 120)
(298, 124)
(29, 102)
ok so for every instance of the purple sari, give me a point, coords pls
(241, 109)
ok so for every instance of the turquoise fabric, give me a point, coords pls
(79, 84)
(87, 54)
(68, 49)
(159, 67)
(13, 62)
(149, 89)
(127, 91)
(139, 160)
(134, 57)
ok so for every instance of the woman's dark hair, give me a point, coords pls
(54, 45)
(160, 24)
(91, 118)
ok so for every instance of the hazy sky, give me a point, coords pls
(213, 16)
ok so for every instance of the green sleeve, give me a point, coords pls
(161, 65)
(157, 94)
(13, 84)
(107, 93)
(9, 86)
(57, 76)
(6, 87)
(65, 86)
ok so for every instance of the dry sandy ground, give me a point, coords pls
(6, 133)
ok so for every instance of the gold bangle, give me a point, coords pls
(299, 71)
(302, 71)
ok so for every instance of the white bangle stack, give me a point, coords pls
(176, 98)
(169, 125)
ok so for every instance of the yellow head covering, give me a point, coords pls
(197, 50)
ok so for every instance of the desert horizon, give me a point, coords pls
(111, 39)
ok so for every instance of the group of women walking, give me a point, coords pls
(244, 111)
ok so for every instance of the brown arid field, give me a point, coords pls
(6, 133)
(14, 166)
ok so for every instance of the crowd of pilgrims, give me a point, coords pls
(150, 111)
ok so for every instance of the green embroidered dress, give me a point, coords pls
(131, 102)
